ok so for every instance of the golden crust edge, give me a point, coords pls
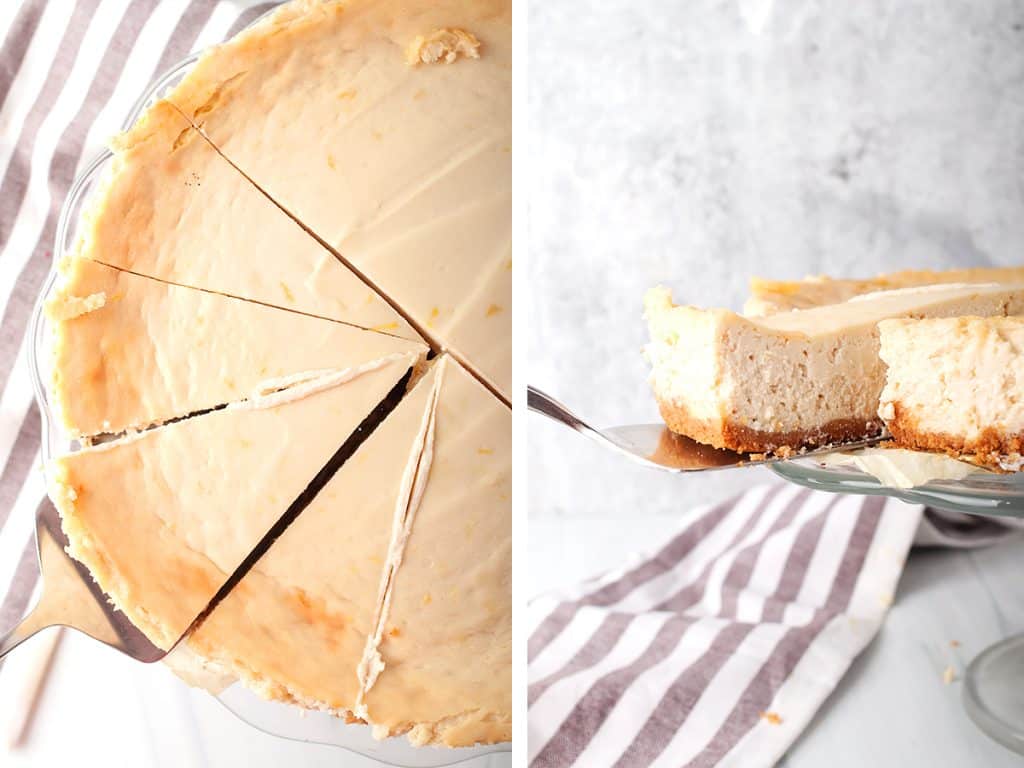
(102, 568)
(986, 448)
(736, 437)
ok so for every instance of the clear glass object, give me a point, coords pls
(982, 493)
(274, 718)
(993, 691)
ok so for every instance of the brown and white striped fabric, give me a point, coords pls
(70, 70)
(717, 649)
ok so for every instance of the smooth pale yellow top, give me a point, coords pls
(446, 640)
(130, 351)
(385, 127)
(296, 626)
(770, 296)
(162, 518)
(172, 208)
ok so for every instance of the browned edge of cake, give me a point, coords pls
(987, 448)
(742, 439)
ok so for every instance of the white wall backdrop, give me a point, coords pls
(696, 143)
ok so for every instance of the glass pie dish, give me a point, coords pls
(274, 718)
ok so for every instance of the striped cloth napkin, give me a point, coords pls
(70, 70)
(718, 649)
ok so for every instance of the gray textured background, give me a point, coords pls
(696, 143)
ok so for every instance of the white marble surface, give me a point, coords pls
(101, 708)
(892, 709)
(698, 143)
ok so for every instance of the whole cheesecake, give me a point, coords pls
(791, 380)
(283, 339)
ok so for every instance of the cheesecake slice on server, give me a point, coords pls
(792, 380)
(956, 385)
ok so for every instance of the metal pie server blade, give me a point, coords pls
(657, 447)
(70, 598)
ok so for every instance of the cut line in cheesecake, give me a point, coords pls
(402, 169)
(153, 519)
(792, 380)
(347, 449)
(436, 344)
(329, 604)
(445, 605)
(382, 635)
(170, 207)
(386, 330)
(130, 351)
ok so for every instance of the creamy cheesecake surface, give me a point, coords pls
(364, 608)
(385, 127)
(441, 669)
(956, 385)
(770, 296)
(163, 517)
(171, 207)
(296, 628)
(275, 250)
(794, 379)
(130, 351)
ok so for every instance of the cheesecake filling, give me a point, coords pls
(798, 379)
(954, 385)
(405, 152)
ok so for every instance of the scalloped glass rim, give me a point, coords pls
(983, 493)
(273, 718)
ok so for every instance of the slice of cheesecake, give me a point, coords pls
(791, 380)
(295, 628)
(956, 385)
(770, 296)
(163, 517)
(130, 351)
(440, 665)
(170, 207)
(372, 601)
(384, 126)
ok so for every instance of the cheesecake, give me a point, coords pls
(791, 380)
(129, 351)
(770, 296)
(170, 207)
(956, 385)
(372, 601)
(439, 668)
(385, 128)
(296, 627)
(162, 518)
(288, 309)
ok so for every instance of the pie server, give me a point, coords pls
(657, 447)
(70, 598)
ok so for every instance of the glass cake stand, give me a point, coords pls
(993, 690)
(273, 718)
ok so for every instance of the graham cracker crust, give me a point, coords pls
(987, 448)
(742, 439)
